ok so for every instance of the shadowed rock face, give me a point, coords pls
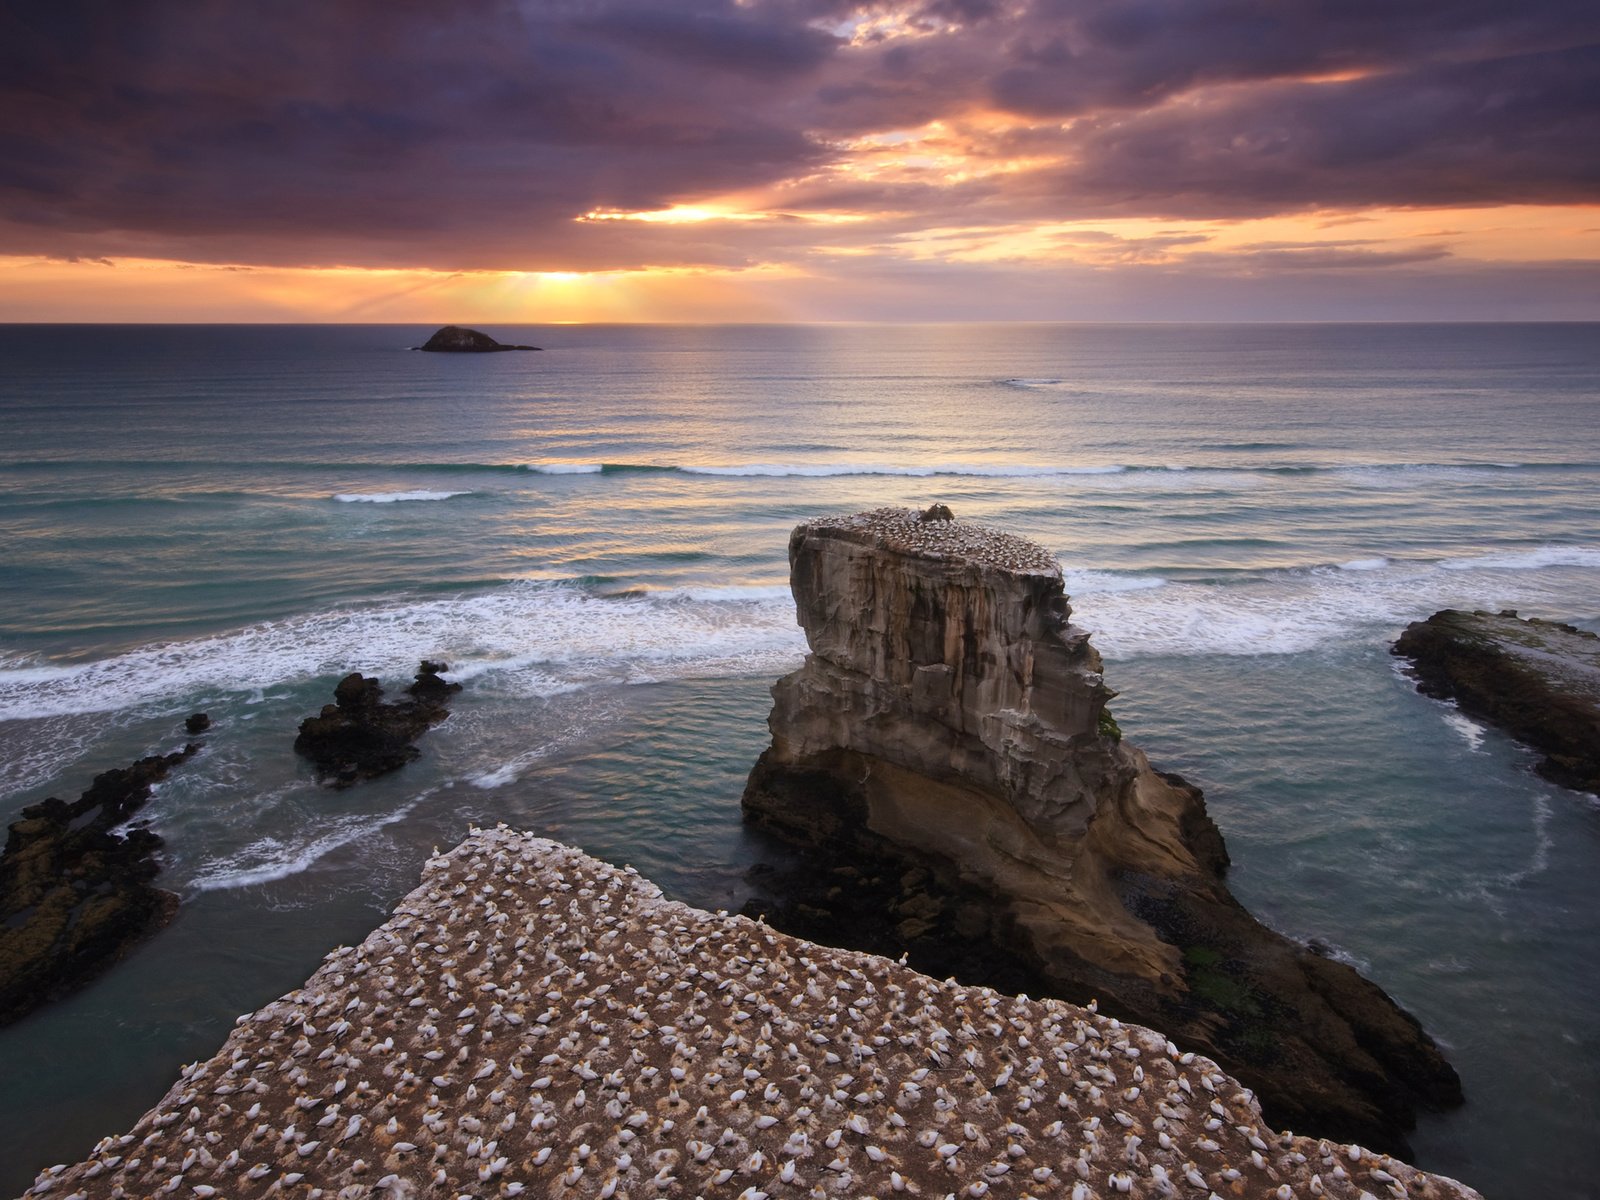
(360, 737)
(74, 896)
(453, 339)
(1537, 680)
(949, 729)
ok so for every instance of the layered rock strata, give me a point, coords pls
(359, 736)
(75, 893)
(531, 1022)
(1537, 680)
(949, 728)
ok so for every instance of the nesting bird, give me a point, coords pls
(943, 537)
(534, 1022)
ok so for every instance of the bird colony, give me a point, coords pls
(903, 531)
(534, 1022)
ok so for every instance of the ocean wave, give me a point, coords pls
(1296, 611)
(828, 470)
(526, 638)
(1099, 583)
(394, 497)
(1471, 732)
(566, 468)
(280, 855)
(1376, 563)
(746, 592)
(1528, 560)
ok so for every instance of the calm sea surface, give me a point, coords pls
(230, 518)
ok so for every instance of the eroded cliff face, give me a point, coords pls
(948, 729)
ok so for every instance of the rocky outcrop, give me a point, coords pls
(533, 1022)
(1537, 680)
(358, 736)
(453, 339)
(947, 736)
(75, 896)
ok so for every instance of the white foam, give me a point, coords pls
(813, 470)
(566, 468)
(752, 592)
(1290, 612)
(1528, 560)
(1099, 583)
(1469, 729)
(394, 497)
(1376, 563)
(275, 857)
(829, 470)
(541, 638)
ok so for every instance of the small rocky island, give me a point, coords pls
(75, 894)
(1537, 680)
(453, 339)
(946, 753)
(359, 736)
(533, 1022)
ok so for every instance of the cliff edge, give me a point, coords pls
(534, 1022)
(948, 732)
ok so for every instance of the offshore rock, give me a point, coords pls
(1537, 680)
(947, 738)
(360, 737)
(74, 896)
(453, 339)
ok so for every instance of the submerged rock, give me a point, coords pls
(74, 895)
(948, 734)
(1537, 680)
(360, 737)
(531, 1021)
(454, 339)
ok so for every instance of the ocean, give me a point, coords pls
(229, 518)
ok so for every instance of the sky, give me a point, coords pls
(489, 161)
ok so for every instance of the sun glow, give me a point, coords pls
(42, 289)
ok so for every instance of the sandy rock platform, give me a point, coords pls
(534, 1022)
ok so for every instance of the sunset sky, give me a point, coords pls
(776, 160)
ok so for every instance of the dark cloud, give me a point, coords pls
(1511, 130)
(472, 134)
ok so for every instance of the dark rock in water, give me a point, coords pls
(197, 723)
(360, 737)
(75, 897)
(1537, 680)
(945, 741)
(454, 339)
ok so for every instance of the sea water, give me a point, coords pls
(228, 519)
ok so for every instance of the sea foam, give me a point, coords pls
(530, 639)
(394, 497)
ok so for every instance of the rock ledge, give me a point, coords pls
(1537, 680)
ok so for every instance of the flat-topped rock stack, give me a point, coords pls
(948, 736)
(533, 1022)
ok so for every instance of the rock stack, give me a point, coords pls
(948, 734)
